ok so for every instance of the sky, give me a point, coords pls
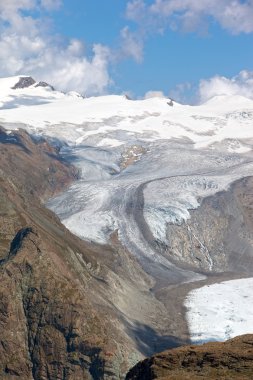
(190, 50)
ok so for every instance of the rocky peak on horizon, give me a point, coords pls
(28, 81)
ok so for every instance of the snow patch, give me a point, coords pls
(221, 311)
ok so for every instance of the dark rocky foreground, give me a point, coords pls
(230, 360)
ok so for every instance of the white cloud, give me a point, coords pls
(51, 4)
(156, 16)
(235, 16)
(27, 48)
(136, 9)
(131, 45)
(154, 94)
(242, 84)
(15, 5)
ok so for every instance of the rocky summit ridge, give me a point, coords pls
(217, 360)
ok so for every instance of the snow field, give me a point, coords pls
(220, 311)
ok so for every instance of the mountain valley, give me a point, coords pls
(113, 214)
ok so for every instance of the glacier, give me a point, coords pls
(143, 164)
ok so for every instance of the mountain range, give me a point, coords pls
(126, 228)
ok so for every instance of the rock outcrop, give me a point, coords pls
(230, 360)
(24, 82)
(218, 237)
(45, 84)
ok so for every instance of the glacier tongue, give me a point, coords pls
(140, 200)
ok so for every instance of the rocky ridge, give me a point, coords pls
(230, 360)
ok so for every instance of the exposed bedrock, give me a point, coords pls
(219, 235)
(48, 328)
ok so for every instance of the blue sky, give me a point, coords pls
(181, 48)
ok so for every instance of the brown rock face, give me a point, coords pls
(46, 333)
(230, 360)
(218, 236)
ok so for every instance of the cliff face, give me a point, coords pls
(230, 360)
(48, 327)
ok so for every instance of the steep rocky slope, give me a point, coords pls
(230, 360)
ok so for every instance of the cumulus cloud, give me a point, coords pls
(27, 48)
(156, 16)
(241, 84)
(152, 17)
(236, 16)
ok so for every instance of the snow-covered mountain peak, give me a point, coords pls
(21, 82)
(115, 119)
(19, 91)
(233, 101)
